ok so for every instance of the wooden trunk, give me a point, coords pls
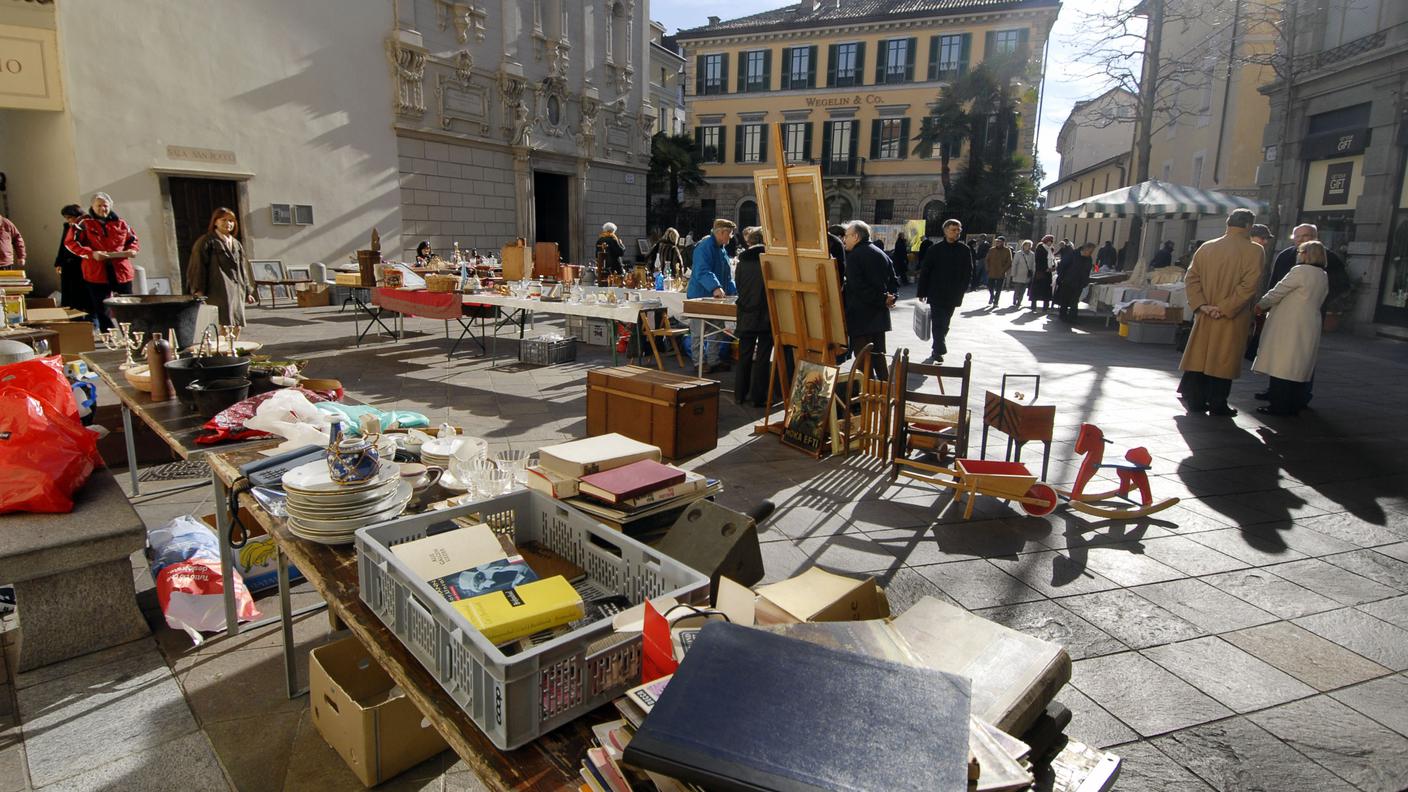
(677, 413)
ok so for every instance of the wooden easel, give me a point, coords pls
(800, 280)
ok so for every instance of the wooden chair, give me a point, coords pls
(865, 423)
(655, 323)
(934, 423)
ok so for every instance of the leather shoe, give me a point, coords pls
(1223, 412)
(1268, 410)
(1263, 396)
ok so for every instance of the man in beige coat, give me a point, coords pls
(1221, 281)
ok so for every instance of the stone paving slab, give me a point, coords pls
(1323, 664)
(1135, 621)
(1347, 743)
(1236, 754)
(1228, 674)
(1373, 638)
(1203, 605)
(1157, 703)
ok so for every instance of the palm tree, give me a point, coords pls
(946, 130)
(674, 166)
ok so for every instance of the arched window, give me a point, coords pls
(933, 218)
(747, 214)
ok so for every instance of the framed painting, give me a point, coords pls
(270, 271)
(809, 411)
(280, 214)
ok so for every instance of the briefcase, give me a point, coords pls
(680, 414)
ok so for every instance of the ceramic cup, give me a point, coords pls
(353, 460)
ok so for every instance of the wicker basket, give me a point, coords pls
(442, 283)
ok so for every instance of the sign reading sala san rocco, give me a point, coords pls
(845, 101)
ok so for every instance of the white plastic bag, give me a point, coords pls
(289, 414)
(922, 326)
(185, 561)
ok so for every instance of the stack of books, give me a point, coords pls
(14, 281)
(615, 479)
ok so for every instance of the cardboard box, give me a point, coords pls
(363, 715)
(313, 295)
(258, 561)
(817, 595)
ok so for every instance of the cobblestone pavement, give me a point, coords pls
(1255, 636)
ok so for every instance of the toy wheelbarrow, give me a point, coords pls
(1010, 481)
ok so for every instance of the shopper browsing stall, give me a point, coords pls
(219, 270)
(712, 277)
(107, 245)
(754, 326)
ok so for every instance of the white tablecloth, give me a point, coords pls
(626, 312)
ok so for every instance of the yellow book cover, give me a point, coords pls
(508, 615)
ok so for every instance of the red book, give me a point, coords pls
(629, 481)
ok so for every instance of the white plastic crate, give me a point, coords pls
(516, 699)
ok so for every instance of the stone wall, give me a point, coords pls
(610, 198)
(456, 193)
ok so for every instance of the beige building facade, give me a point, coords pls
(1100, 177)
(851, 84)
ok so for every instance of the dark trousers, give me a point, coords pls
(1070, 312)
(878, 368)
(939, 318)
(1201, 392)
(1019, 290)
(995, 287)
(750, 381)
(97, 292)
(1287, 396)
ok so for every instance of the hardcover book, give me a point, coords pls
(594, 454)
(514, 613)
(447, 553)
(630, 481)
(497, 575)
(750, 710)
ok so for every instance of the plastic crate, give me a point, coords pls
(516, 699)
(1152, 332)
(547, 352)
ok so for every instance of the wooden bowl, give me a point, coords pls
(139, 377)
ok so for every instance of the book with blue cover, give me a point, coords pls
(752, 710)
(499, 575)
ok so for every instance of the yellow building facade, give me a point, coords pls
(851, 85)
(1111, 174)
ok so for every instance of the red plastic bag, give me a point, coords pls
(192, 597)
(45, 455)
(43, 377)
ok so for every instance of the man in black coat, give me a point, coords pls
(754, 327)
(1164, 257)
(870, 293)
(1108, 257)
(943, 280)
(1072, 277)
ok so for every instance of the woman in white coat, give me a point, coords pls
(1023, 269)
(1290, 339)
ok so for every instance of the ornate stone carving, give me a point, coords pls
(557, 67)
(586, 129)
(522, 126)
(510, 88)
(464, 66)
(622, 78)
(467, 18)
(408, 67)
(462, 101)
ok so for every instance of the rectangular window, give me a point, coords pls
(711, 144)
(891, 138)
(797, 139)
(897, 61)
(799, 67)
(847, 65)
(1006, 42)
(1198, 171)
(756, 70)
(884, 210)
(752, 148)
(950, 58)
(714, 79)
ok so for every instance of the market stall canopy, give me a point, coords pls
(1157, 199)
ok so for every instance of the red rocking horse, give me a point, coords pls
(1132, 474)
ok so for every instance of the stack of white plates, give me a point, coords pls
(321, 510)
(441, 451)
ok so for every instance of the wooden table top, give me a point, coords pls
(549, 763)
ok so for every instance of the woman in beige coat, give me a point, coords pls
(1290, 339)
(219, 271)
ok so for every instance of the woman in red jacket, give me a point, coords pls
(106, 245)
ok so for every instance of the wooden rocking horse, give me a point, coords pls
(1132, 474)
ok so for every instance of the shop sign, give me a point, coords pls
(29, 69)
(845, 101)
(1331, 145)
(193, 154)
(1337, 183)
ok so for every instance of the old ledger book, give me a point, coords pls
(594, 454)
(750, 710)
(1014, 675)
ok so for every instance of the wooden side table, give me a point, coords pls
(1020, 419)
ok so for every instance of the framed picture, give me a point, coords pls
(302, 214)
(268, 271)
(813, 387)
(300, 273)
(280, 214)
(643, 246)
(158, 285)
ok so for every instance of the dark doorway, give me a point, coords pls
(193, 201)
(552, 210)
(748, 214)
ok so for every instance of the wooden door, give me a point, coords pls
(192, 203)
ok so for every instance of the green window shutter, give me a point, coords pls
(855, 139)
(699, 76)
(786, 80)
(807, 142)
(767, 70)
(763, 143)
(880, 57)
(742, 72)
(811, 66)
(722, 155)
(723, 74)
(875, 138)
(933, 58)
(738, 143)
(967, 53)
(825, 154)
(989, 41)
(860, 64)
(830, 65)
(699, 142)
(904, 138)
(909, 53)
(1022, 36)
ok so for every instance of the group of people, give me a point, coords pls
(1223, 281)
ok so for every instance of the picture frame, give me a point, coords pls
(159, 286)
(281, 214)
(303, 214)
(266, 273)
(809, 413)
(300, 273)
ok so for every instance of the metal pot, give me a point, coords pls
(14, 352)
(215, 395)
(157, 313)
(185, 371)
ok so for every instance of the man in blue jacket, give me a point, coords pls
(711, 277)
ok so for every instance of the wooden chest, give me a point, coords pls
(677, 413)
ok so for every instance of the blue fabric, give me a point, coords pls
(711, 270)
(351, 415)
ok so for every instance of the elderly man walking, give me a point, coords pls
(1221, 281)
(870, 290)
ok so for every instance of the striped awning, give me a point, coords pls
(1156, 199)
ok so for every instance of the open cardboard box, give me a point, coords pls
(364, 716)
(817, 596)
(313, 294)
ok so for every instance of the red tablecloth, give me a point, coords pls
(431, 305)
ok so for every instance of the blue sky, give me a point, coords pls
(1067, 81)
